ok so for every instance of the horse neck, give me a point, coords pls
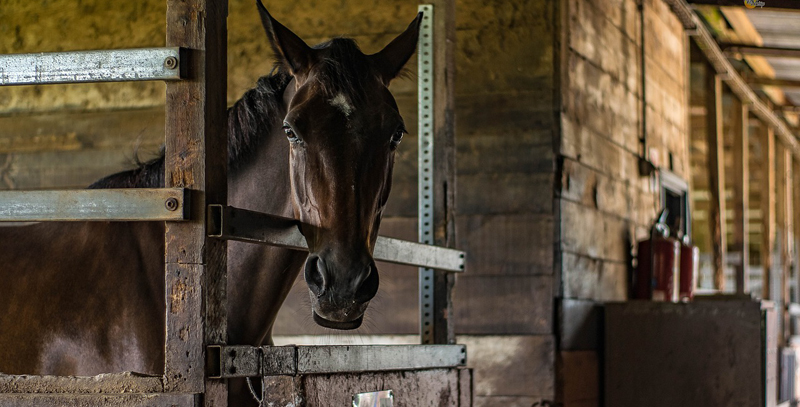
(260, 277)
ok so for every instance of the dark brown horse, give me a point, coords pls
(315, 141)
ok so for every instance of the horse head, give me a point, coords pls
(343, 127)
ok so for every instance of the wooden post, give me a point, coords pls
(784, 221)
(716, 174)
(767, 136)
(741, 195)
(795, 226)
(196, 158)
(444, 161)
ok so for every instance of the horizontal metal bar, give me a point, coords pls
(154, 204)
(113, 383)
(89, 400)
(119, 65)
(336, 359)
(248, 361)
(226, 222)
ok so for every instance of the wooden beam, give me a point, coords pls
(767, 138)
(741, 196)
(748, 49)
(783, 83)
(716, 174)
(769, 4)
(784, 220)
(196, 158)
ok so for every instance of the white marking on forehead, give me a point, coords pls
(340, 101)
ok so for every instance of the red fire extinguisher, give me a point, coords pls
(657, 272)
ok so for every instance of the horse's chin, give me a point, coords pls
(348, 325)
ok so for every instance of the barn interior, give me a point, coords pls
(576, 123)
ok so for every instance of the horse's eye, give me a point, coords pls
(290, 134)
(397, 137)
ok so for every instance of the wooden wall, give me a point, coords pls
(67, 136)
(603, 204)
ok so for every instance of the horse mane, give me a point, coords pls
(252, 113)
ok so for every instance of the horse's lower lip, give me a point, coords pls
(337, 325)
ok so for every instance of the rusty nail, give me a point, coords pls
(171, 62)
(171, 204)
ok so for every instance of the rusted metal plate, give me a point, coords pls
(146, 204)
(233, 361)
(88, 400)
(226, 222)
(119, 65)
(106, 383)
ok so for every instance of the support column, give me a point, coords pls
(196, 158)
(741, 194)
(716, 174)
(767, 136)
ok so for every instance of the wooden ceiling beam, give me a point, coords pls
(771, 4)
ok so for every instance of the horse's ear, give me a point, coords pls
(393, 57)
(293, 51)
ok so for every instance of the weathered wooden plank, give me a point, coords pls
(507, 244)
(196, 158)
(601, 103)
(488, 193)
(716, 174)
(591, 233)
(584, 185)
(595, 150)
(767, 137)
(71, 131)
(595, 37)
(62, 169)
(585, 277)
(87, 400)
(741, 195)
(529, 303)
(422, 388)
(579, 374)
(512, 365)
(126, 382)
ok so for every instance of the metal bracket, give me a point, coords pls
(425, 165)
(119, 65)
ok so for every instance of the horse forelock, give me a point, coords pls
(344, 70)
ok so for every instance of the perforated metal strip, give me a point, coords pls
(425, 165)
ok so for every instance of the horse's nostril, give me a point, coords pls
(368, 284)
(316, 275)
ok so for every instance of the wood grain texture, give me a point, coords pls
(741, 197)
(521, 366)
(716, 174)
(436, 387)
(767, 137)
(196, 158)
